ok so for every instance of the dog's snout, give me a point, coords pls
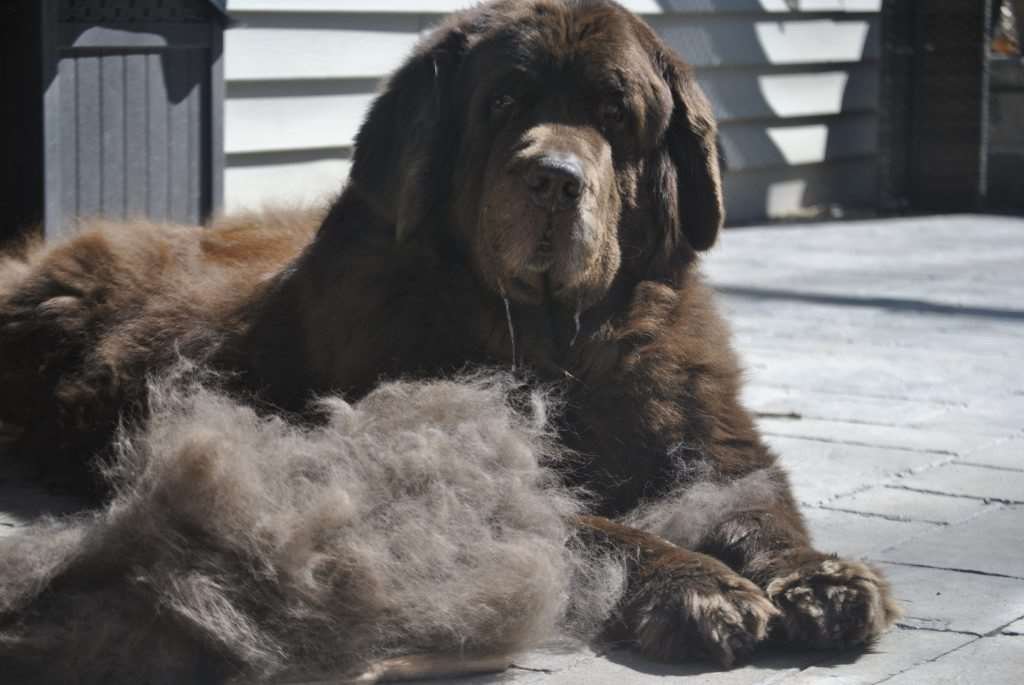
(554, 183)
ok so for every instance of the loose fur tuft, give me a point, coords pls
(422, 520)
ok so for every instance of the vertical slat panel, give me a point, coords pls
(196, 61)
(112, 79)
(68, 132)
(178, 136)
(90, 164)
(136, 135)
(213, 138)
(156, 89)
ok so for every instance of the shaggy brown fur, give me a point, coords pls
(531, 189)
(423, 520)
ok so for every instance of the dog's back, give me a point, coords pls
(83, 320)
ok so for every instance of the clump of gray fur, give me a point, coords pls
(423, 520)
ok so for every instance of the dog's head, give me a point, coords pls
(558, 142)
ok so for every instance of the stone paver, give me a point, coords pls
(990, 543)
(820, 471)
(980, 418)
(884, 359)
(1015, 628)
(970, 481)
(998, 659)
(830, 406)
(856, 535)
(898, 437)
(1008, 454)
(897, 651)
(936, 599)
(626, 667)
(909, 505)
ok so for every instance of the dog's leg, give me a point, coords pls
(826, 602)
(678, 603)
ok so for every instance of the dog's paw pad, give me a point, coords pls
(833, 603)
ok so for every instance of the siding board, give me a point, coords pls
(795, 191)
(286, 46)
(112, 96)
(90, 161)
(157, 166)
(334, 46)
(639, 6)
(68, 94)
(290, 178)
(289, 115)
(292, 115)
(795, 86)
(135, 123)
(759, 145)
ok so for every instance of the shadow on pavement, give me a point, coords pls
(893, 303)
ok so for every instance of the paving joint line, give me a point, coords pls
(927, 491)
(943, 403)
(975, 572)
(888, 517)
(831, 498)
(999, 631)
(926, 629)
(926, 661)
(856, 443)
(527, 669)
(993, 467)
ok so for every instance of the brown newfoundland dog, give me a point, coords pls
(532, 189)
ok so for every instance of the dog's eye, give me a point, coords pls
(612, 113)
(502, 103)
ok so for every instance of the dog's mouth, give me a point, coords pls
(543, 258)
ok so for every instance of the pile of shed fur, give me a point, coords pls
(424, 520)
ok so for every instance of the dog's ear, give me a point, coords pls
(687, 179)
(398, 166)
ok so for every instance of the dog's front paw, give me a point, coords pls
(689, 605)
(833, 603)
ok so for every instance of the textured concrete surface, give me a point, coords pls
(886, 363)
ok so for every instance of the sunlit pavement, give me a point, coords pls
(885, 360)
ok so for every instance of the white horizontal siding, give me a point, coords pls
(759, 146)
(639, 6)
(794, 191)
(321, 46)
(794, 84)
(270, 179)
(290, 115)
(334, 46)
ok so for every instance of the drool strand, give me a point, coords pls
(576, 321)
(508, 318)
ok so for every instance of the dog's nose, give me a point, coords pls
(555, 183)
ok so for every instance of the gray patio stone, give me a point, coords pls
(821, 470)
(897, 651)
(809, 404)
(621, 667)
(990, 543)
(899, 437)
(997, 660)
(908, 505)
(937, 599)
(858, 536)
(969, 481)
(980, 418)
(1007, 454)
(882, 355)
